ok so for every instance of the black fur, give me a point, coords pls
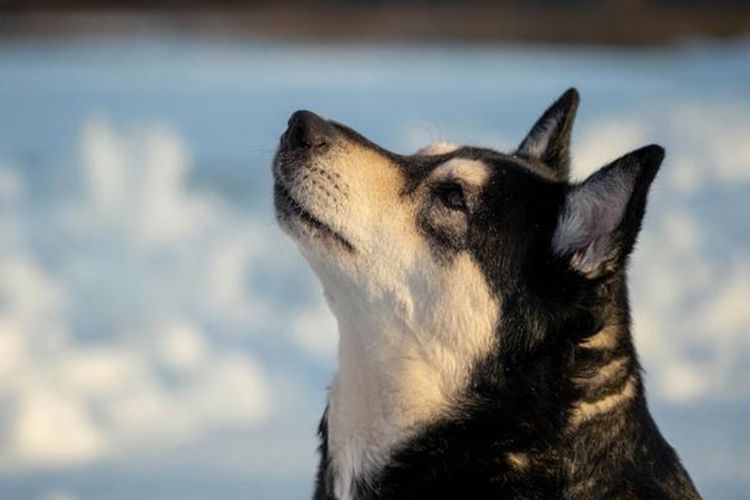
(555, 126)
(514, 435)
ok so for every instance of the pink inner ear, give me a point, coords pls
(592, 212)
(606, 218)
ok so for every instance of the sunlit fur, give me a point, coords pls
(484, 329)
(404, 356)
(472, 172)
(438, 148)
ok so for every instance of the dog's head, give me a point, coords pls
(443, 238)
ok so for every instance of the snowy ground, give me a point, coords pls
(160, 339)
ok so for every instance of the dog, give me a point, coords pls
(484, 346)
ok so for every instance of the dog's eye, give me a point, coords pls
(452, 196)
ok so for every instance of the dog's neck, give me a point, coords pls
(406, 351)
(606, 402)
(389, 386)
(394, 379)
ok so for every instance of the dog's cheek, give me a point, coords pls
(445, 231)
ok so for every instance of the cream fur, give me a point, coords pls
(410, 327)
(471, 172)
(438, 148)
(585, 411)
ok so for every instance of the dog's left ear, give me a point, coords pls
(548, 140)
(601, 216)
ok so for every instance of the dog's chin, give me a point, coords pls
(302, 224)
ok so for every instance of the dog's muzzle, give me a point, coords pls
(306, 136)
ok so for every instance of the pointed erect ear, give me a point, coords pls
(601, 216)
(548, 140)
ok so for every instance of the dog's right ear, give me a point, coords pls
(548, 140)
(601, 216)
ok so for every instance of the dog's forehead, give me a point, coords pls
(473, 165)
(466, 165)
(480, 164)
(446, 160)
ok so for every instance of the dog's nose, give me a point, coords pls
(308, 130)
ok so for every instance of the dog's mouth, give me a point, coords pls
(288, 208)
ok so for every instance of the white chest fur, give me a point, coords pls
(403, 363)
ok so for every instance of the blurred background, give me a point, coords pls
(161, 340)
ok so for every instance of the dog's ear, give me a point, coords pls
(548, 140)
(601, 217)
